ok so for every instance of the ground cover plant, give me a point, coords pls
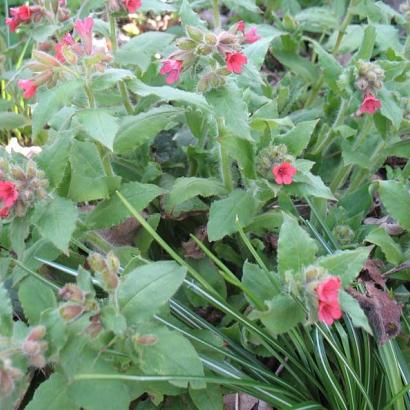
(201, 198)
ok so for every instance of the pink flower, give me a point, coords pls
(22, 13)
(132, 5)
(235, 61)
(328, 297)
(283, 173)
(28, 87)
(12, 23)
(240, 26)
(84, 28)
(66, 41)
(252, 36)
(370, 104)
(172, 70)
(8, 197)
(329, 312)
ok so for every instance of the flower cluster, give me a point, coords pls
(8, 377)
(369, 78)
(48, 69)
(20, 188)
(34, 347)
(26, 14)
(275, 162)
(199, 44)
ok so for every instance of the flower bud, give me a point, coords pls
(37, 333)
(8, 375)
(38, 361)
(31, 348)
(72, 292)
(31, 169)
(204, 49)
(211, 39)
(186, 44)
(17, 173)
(289, 23)
(97, 262)
(195, 33)
(45, 58)
(71, 311)
(362, 84)
(343, 233)
(113, 263)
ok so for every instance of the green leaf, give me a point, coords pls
(317, 19)
(248, 5)
(283, 314)
(51, 395)
(136, 130)
(100, 125)
(330, 66)
(112, 211)
(6, 312)
(228, 105)
(35, 298)
(258, 282)
(256, 52)
(390, 109)
(167, 93)
(110, 78)
(346, 264)
(51, 102)
(366, 49)
(53, 159)
(141, 49)
(88, 178)
(11, 120)
(171, 354)
(157, 6)
(224, 213)
(352, 307)
(208, 399)
(385, 242)
(19, 231)
(396, 199)
(242, 151)
(56, 221)
(298, 138)
(189, 17)
(186, 188)
(147, 288)
(296, 249)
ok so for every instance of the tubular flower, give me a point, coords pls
(66, 41)
(28, 87)
(328, 298)
(235, 61)
(84, 28)
(252, 36)
(8, 197)
(284, 173)
(240, 26)
(172, 70)
(132, 5)
(370, 104)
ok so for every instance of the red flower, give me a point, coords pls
(12, 23)
(235, 61)
(252, 36)
(132, 5)
(328, 296)
(84, 28)
(28, 87)
(283, 173)
(8, 197)
(240, 26)
(172, 70)
(66, 41)
(370, 104)
(22, 13)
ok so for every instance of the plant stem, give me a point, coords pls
(224, 160)
(90, 95)
(343, 172)
(114, 46)
(217, 14)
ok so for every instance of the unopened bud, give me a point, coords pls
(110, 280)
(97, 262)
(362, 84)
(17, 173)
(71, 311)
(72, 292)
(31, 169)
(45, 58)
(289, 23)
(204, 49)
(211, 39)
(186, 44)
(113, 263)
(195, 33)
(31, 348)
(37, 333)
(38, 361)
